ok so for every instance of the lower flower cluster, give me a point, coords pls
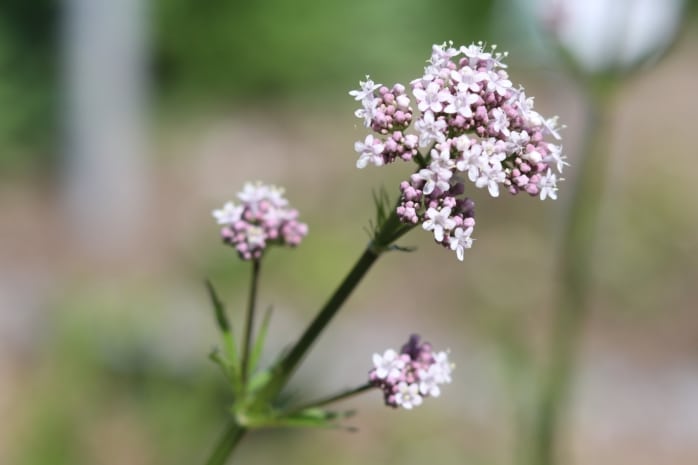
(406, 378)
(262, 218)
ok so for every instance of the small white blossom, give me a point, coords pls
(499, 121)
(368, 111)
(460, 241)
(255, 236)
(498, 83)
(472, 161)
(431, 181)
(438, 221)
(467, 79)
(407, 395)
(461, 103)
(552, 127)
(367, 89)
(491, 177)
(229, 214)
(442, 367)
(428, 384)
(431, 98)
(370, 151)
(430, 129)
(555, 156)
(548, 186)
(388, 365)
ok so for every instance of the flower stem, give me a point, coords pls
(575, 272)
(226, 444)
(250, 320)
(390, 231)
(334, 398)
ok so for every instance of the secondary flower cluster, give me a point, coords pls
(470, 122)
(262, 218)
(416, 372)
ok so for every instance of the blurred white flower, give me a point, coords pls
(607, 34)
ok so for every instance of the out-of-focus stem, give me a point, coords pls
(574, 274)
(251, 303)
(226, 444)
(335, 397)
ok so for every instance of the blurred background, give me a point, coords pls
(123, 124)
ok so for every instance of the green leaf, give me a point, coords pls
(259, 342)
(225, 366)
(231, 363)
(221, 318)
(259, 380)
(308, 418)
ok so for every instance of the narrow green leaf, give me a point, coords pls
(221, 318)
(259, 380)
(231, 363)
(259, 342)
(313, 418)
(225, 367)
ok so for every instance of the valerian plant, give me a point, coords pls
(465, 125)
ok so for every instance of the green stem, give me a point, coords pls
(575, 273)
(250, 321)
(334, 398)
(226, 444)
(390, 231)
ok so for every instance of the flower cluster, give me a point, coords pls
(416, 372)
(262, 218)
(470, 123)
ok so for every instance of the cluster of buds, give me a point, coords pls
(471, 123)
(407, 377)
(262, 218)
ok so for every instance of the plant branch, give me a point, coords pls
(226, 444)
(333, 398)
(250, 321)
(575, 278)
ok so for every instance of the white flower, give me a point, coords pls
(389, 365)
(368, 112)
(461, 103)
(370, 151)
(474, 53)
(442, 368)
(255, 236)
(467, 79)
(441, 54)
(367, 89)
(407, 395)
(517, 141)
(472, 161)
(552, 127)
(253, 193)
(548, 186)
(441, 162)
(491, 177)
(229, 214)
(434, 180)
(438, 221)
(500, 122)
(600, 34)
(555, 156)
(428, 385)
(499, 83)
(460, 241)
(431, 98)
(430, 129)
